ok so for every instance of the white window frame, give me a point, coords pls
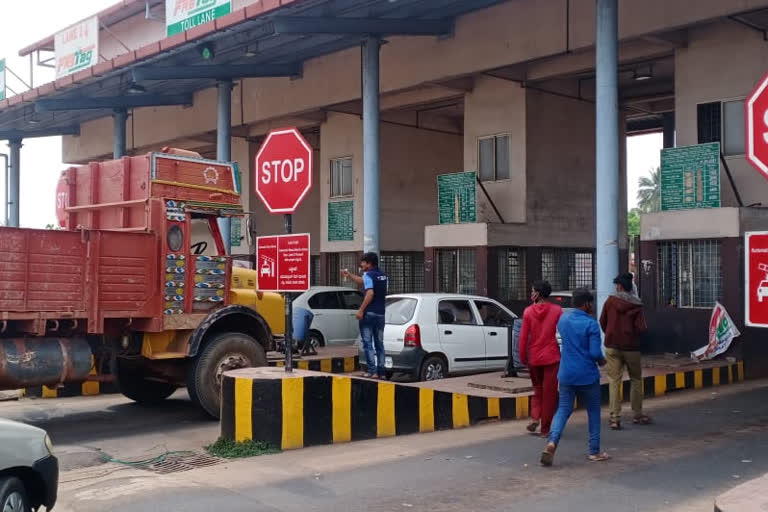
(333, 162)
(495, 136)
(722, 103)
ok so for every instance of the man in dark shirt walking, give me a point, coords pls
(371, 313)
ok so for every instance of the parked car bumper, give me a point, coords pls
(407, 360)
(48, 469)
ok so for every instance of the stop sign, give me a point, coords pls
(756, 113)
(283, 170)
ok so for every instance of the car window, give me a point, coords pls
(456, 312)
(399, 310)
(324, 300)
(352, 299)
(493, 315)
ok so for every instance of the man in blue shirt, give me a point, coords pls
(582, 352)
(371, 313)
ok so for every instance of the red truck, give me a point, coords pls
(119, 292)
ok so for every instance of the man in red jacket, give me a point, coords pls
(539, 351)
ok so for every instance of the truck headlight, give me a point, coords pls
(49, 444)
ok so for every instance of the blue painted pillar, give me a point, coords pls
(371, 149)
(14, 182)
(119, 118)
(224, 145)
(607, 149)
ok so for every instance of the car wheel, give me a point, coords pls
(315, 340)
(13, 495)
(433, 368)
(227, 351)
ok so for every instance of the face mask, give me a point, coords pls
(535, 296)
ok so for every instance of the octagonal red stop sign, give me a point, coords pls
(756, 113)
(283, 170)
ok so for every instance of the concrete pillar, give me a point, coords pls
(607, 149)
(371, 148)
(119, 119)
(14, 182)
(224, 145)
(668, 124)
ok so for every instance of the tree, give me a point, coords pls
(649, 192)
(633, 222)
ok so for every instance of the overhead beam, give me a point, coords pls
(363, 26)
(112, 102)
(216, 72)
(31, 134)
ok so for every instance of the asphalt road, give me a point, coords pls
(703, 443)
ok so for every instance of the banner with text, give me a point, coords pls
(722, 331)
(182, 15)
(2, 79)
(283, 263)
(77, 47)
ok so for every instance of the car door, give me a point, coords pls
(330, 318)
(461, 336)
(351, 301)
(497, 322)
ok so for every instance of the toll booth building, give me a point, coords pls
(462, 133)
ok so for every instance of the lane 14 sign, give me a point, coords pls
(756, 278)
(77, 47)
(283, 263)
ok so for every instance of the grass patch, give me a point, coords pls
(228, 449)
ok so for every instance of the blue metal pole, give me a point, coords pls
(119, 118)
(224, 146)
(14, 182)
(607, 149)
(371, 149)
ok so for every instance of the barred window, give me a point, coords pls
(511, 272)
(690, 273)
(405, 271)
(456, 271)
(338, 261)
(314, 271)
(567, 269)
(341, 177)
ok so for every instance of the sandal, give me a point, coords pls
(368, 376)
(599, 457)
(642, 420)
(548, 455)
(615, 425)
(532, 426)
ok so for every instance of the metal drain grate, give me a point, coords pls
(185, 462)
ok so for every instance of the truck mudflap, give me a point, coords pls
(27, 362)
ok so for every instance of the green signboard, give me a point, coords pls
(341, 221)
(2, 79)
(690, 177)
(236, 229)
(182, 15)
(457, 197)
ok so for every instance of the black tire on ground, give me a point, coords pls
(132, 382)
(433, 368)
(13, 495)
(315, 339)
(226, 351)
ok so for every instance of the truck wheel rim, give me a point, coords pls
(229, 362)
(14, 503)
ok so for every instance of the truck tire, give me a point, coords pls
(134, 385)
(226, 351)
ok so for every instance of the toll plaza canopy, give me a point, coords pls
(266, 39)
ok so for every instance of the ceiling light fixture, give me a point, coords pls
(135, 88)
(640, 76)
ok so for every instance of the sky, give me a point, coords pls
(23, 23)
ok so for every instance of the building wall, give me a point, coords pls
(411, 159)
(707, 71)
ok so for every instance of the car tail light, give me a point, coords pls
(413, 336)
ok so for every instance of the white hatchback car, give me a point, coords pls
(334, 309)
(430, 336)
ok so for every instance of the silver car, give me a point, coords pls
(29, 472)
(334, 309)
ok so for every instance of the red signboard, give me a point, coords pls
(283, 263)
(283, 170)
(756, 278)
(756, 115)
